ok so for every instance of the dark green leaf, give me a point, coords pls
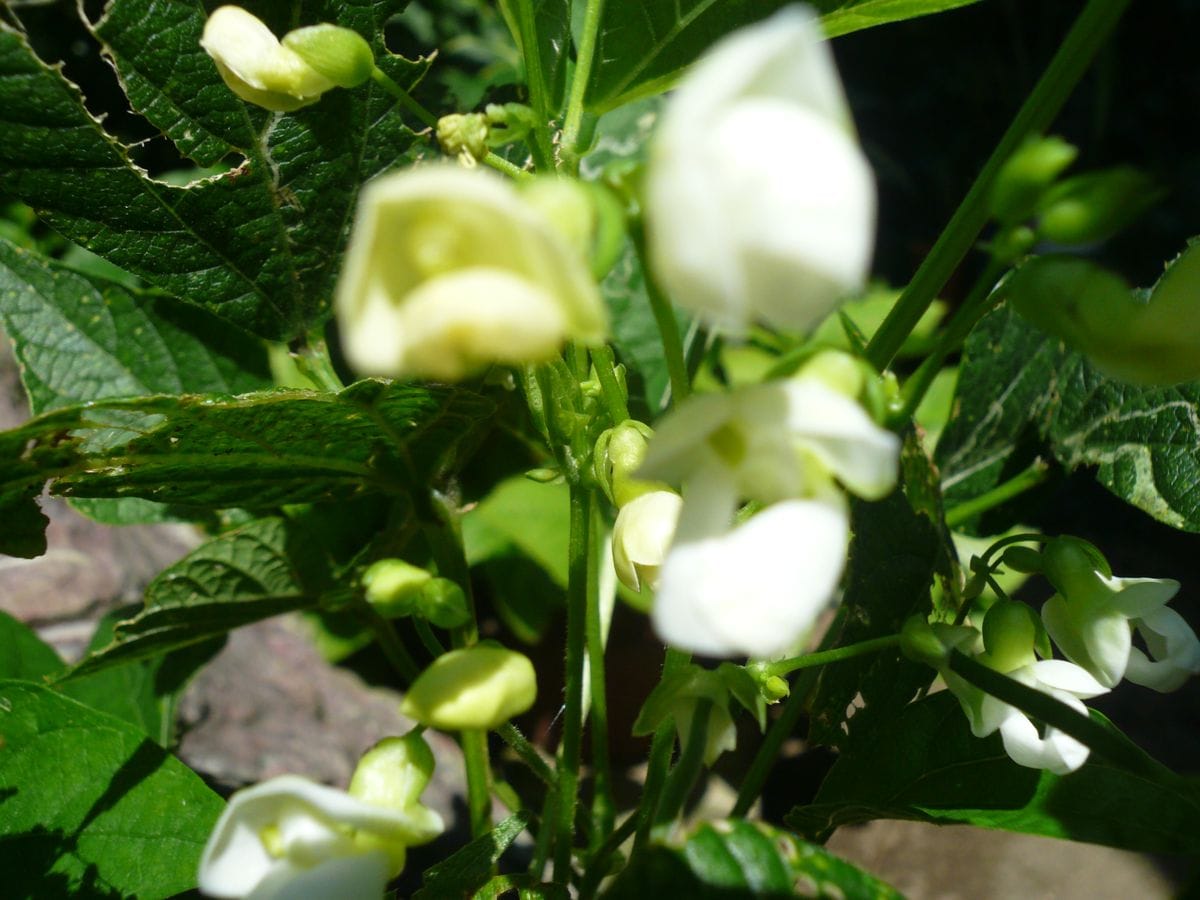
(91, 807)
(644, 47)
(262, 569)
(893, 558)
(257, 450)
(469, 869)
(23, 654)
(257, 245)
(738, 859)
(542, 29)
(925, 765)
(1021, 392)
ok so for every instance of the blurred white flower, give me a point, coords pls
(759, 202)
(448, 270)
(256, 66)
(292, 839)
(1094, 614)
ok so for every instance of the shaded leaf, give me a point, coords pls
(740, 859)
(925, 765)
(24, 655)
(91, 807)
(467, 870)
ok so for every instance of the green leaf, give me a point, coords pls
(643, 48)
(257, 245)
(739, 859)
(23, 654)
(254, 451)
(896, 550)
(1021, 393)
(524, 514)
(262, 569)
(925, 765)
(467, 870)
(542, 30)
(91, 807)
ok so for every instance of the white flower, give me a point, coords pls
(753, 590)
(759, 203)
(256, 66)
(641, 536)
(449, 270)
(292, 839)
(1093, 615)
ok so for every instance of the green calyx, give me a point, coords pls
(341, 55)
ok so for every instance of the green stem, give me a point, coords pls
(527, 753)
(586, 53)
(687, 770)
(598, 865)
(502, 165)
(984, 297)
(786, 666)
(479, 780)
(610, 388)
(659, 761)
(578, 557)
(427, 638)
(1057, 714)
(603, 805)
(428, 119)
(389, 642)
(664, 317)
(1031, 477)
(1087, 35)
(768, 752)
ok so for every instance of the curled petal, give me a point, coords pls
(1068, 677)
(1174, 652)
(642, 534)
(1090, 635)
(1055, 751)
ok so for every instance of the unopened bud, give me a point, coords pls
(341, 55)
(1010, 631)
(480, 687)
(1026, 175)
(618, 455)
(1095, 206)
(443, 603)
(464, 135)
(1022, 559)
(394, 587)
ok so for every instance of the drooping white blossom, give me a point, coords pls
(760, 205)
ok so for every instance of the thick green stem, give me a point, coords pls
(585, 54)
(610, 388)
(569, 749)
(687, 770)
(479, 781)
(664, 317)
(786, 666)
(1088, 34)
(1023, 481)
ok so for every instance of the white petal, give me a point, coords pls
(1135, 598)
(1174, 647)
(1065, 676)
(361, 877)
(642, 534)
(1056, 751)
(679, 446)
(757, 589)
(1090, 636)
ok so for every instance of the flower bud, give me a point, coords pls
(339, 54)
(449, 270)
(618, 455)
(642, 535)
(255, 66)
(1011, 630)
(394, 586)
(464, 135)
(443, 603)
(480, 687)
(1095, 206)
(393, 774)
(1022, 559)
(1026, 175)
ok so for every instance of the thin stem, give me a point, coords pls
(1087, 35)
(603, 805)
(984, 297)
(479, 780)
(585, 54)
(578, 558)
(768, 752)
(597, 866)
(389, 642)
(660, 760)
(610, 388)
(1028, 478)
(1058, 715)
(687, 770)
(502, 165)
(428, 119)
(528, 754)
(664, 317)
(808, 661)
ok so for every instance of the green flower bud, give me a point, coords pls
(1022, 559)
(464, 135)
(480, 687)
(1095, 206)
(1010, 632)
(1072, 565)
(618, 455)
(394, 587)
(443, 603)
(773, 688)
(339, 54)
(1026, 175)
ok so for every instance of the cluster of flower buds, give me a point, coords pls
(292, 838)
(1092, 619)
